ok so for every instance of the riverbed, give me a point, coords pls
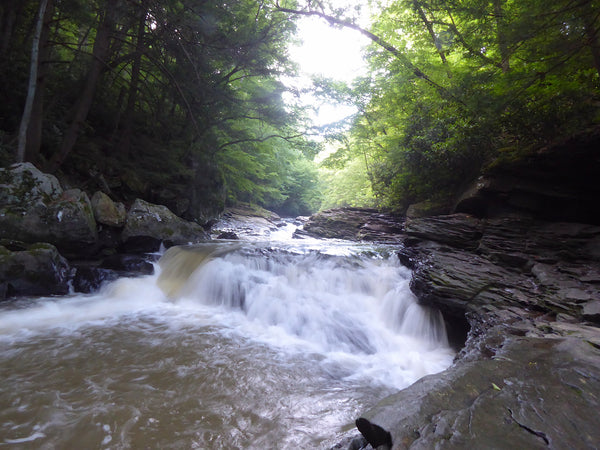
(266, 342)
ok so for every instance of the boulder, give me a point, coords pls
(23, 184)
(32, 269)
(245, 219)
(228, 235)
(427, 208)
(107, 212)
(91, 275)
(149, 225)
(34, 208)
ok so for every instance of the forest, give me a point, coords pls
(181, 103)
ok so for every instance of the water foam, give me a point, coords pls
(356, 311)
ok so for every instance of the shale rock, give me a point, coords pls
(529, 375)
(556, 183)
(246, 220)
(354, 224)
(469, 264)
(149, 225)
(532, 392)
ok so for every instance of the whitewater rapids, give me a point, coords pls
(227, 345)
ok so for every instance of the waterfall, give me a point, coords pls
(357, 306)
(228, 345)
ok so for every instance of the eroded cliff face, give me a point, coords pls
(556, 183)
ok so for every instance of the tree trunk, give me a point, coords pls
(100, 53)
(125, 140)
(31, 88)
(501, 35)
(436, 42)
(34, 131)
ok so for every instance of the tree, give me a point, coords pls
(454, 83)
(176, 101)
(32, 88)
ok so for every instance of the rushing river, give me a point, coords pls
(252, 345)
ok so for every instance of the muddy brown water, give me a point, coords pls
(256, 345)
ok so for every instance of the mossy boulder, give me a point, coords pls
(149, 225)
(23, 184)
(108, 212)
(34, 208)
(33, 269)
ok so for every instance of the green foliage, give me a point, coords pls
(186, 107)
(458, 81)
(348, 186)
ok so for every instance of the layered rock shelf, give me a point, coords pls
(528, 375)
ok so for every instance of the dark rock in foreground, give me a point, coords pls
(35, 269)
(527, 392)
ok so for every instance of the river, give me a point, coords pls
(268, 342)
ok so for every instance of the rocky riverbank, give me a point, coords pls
(528, 293)
(54, 239)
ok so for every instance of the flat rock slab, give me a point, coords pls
(531, 393)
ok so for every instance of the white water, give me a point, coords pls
(296, 338)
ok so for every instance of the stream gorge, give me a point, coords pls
(266, 342)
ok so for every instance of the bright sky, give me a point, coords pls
(330, 52)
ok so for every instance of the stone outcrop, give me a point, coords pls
(353, 224)
(556, 183)
(528, 375)
(527, 291)
(524, 392)
(463, 264)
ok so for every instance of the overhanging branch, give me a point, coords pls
(261, 139)
(377, 40)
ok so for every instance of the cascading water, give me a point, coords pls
(228, 345)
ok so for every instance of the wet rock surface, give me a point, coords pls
(32, 269)
(353, 224)
(529, 373)
(54, 240)
(34, 208)
(245, 220)
(149, 225)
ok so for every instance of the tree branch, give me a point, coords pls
(262, 139)
(377, 40)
